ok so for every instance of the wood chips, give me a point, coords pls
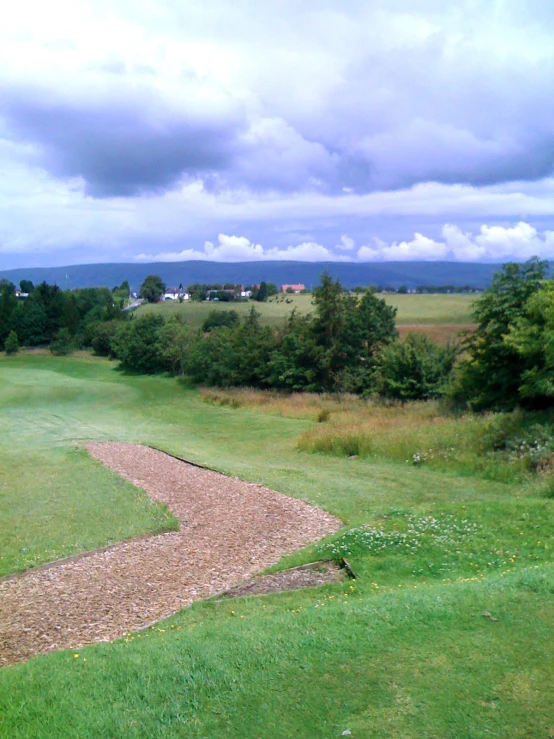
(229, 529)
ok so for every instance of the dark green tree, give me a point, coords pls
(8, 305)
(262, 293)
(414, 369)
(296, 361)
(532, 337)
(31, 324)
(152, 289)
(11, 344)
(136, 343)
(26, 286)
(63, 343)
(102, 334)
(492, 373)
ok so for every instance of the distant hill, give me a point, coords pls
(393, 274)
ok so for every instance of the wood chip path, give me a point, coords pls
(229, 529)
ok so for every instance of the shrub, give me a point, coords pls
(219, 318)
(63, 343)
(136, 345)
(415, 369)
(11, 344)
(102, 337)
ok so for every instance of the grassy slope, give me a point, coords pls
(405, 653)
(54, 500)
(412, 309)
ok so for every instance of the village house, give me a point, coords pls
(173, 293)
(294, 288)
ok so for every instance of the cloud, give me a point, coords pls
(309, 251)
(124, 141)
(491, 244)
(419, 248)
(241, 249)
(349, 100)
(141, 128)
(347, 244)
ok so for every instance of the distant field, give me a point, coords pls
(412, 309)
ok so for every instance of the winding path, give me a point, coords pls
(229, 529)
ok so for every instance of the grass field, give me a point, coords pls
(429, 310)
(404, 651)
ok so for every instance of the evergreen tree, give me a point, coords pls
(11, 344)
(261, 294)
(8, 305)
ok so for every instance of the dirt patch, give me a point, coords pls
(305, 576)
(229, 530)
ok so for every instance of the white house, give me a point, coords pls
(246, 293)
(173, 293)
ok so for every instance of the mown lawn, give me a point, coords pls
(404, 651)
(412, 309)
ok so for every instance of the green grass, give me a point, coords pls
(404, 651)
(59, 502)
(432, 309)
(412, 309)
(55, 501)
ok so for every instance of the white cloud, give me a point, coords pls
(419, 248)
(522, 239)
(241, 249)
(492, 244)
(309, 251)
(233, 249)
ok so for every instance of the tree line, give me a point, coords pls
(349, 343)
(49, 316)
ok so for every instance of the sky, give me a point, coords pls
(348, 130)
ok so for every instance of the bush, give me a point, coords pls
(219, 318)
(63, 343)
(102, 337)
(415, 369)
(175, 340)
(232, 356)
(136, 343)
(12, 344)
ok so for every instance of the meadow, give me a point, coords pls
(413, 310)
(447, 632)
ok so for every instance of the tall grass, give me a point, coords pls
(501, 447)
(313, 406)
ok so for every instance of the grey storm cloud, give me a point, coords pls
(392, 121)
(121, 145)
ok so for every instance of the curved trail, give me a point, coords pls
(229, 529)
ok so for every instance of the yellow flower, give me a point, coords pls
(75, 655)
